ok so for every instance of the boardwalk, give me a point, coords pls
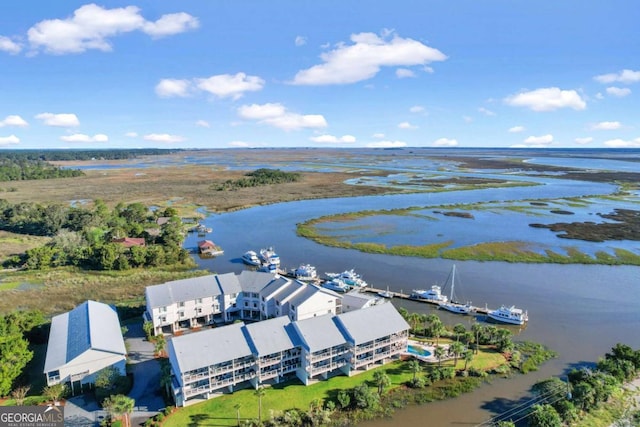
(480, 310)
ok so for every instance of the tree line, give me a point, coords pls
(21, 169)
(83, 154)
(86, 236)
(259, 177)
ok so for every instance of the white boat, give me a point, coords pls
(511, 315)
(269, 268)
(336, 285)
(269, 256)
(386, 294)
(433, 294)
(305, 272)
(350, 277)
(251, 258)
(452, 305)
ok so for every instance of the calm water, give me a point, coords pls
(579, 311)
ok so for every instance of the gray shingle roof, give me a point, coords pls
(370, 323)
(90, 326)
(228, 283)
(269, 336)
(254, 281)
(319, 333)
(182, 290)
(276, 286)
(209, 347)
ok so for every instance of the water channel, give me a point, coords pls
(579, 311)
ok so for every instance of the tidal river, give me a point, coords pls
(579, 311)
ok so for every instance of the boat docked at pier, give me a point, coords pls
(306, 273)
(432, 294)
(452, 304)
(269, 256)
(350, 278)
(336, 285)
(511, 315)
(251, 258)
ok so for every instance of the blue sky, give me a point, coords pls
(282, 73)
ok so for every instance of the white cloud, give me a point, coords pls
(131, 134)
(387, 144)
(406, 125)
(14, 120)
(8, 45)
(378, 135)
(203, 124)
(163, 137)
(170, 24)
(516, 129)
(621, 143)
(91, 27)
(539, 140)
(8, 140)
(582, 141)
(331, 139)
(300, 41)
(168, 88)
(624, 76)
(363, 59)
(618, 91)
(606, 126)
(444, 142)
(417, 109)
(486, 112)
(403, 73)
(59, 120)
(547, 99)
(240, 144)
(233, 86)
(276, 115)
(599, 95)
(80, 137)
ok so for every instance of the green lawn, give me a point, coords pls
(220, 411)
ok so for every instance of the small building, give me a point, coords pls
(82, 342)
(129, 242)
(207, 247)
(355, 300)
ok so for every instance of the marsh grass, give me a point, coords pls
(58, 290)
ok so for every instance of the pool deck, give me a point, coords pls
(431, 349)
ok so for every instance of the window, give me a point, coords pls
(163, 319)
(199, 310)
(181, 304)
(163, 309)
(181, 313)
(246, 304)
(198, 300)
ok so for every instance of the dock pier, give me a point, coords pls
(480, 310)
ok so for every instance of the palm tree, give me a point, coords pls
(477, 329)
(459, 329)
(382, 381)
(422, 319)
(437, 328)
(438, 352)
(415, 368)
(456, 348)
(414, 319)
(119, 405)
(468, 357)
(237, 407)
(55, 392)
(259, 393)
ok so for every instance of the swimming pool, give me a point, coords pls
(418, 351)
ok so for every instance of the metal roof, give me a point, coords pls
(319, 333)
(371, 323)
(228, 283)
(182, 290)
(254, 281)
(270, 336)
(90, 326)
(209, 347)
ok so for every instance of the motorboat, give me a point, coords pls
(386, 294)
(269, 256)
(432, 294)
(269, 268)
(452, 304)
(305, 272)
(511, 315)
(349, 277)
(251, 258)
(336, 285)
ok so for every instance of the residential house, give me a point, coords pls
(82, 342)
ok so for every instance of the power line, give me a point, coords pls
(524, 406)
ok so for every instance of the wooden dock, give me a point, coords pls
(480, 310)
